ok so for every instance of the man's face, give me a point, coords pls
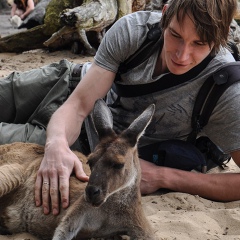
(182, 49)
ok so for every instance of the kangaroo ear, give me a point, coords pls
(102, 118)
(138, 126)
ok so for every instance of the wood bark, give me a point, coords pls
(23, 41)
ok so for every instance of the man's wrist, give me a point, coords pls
(169, 177)
(56, 142)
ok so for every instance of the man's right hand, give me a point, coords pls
(53, 177)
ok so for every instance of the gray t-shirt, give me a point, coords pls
(172, 118)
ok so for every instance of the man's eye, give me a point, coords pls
(175, 35)
(201, 43)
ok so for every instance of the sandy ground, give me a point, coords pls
(173, 215)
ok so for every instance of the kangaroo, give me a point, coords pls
(108, 205)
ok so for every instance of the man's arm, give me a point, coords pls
(218, 187)
(63, 129)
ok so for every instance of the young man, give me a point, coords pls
(194, 34)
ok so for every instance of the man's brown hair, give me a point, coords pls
(212, 18)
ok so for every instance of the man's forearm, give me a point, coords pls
(63, 127)
(218, 187)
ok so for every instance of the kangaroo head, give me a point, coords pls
(114, 163)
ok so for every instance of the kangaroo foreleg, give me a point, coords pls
(68, 229)
(72, 223)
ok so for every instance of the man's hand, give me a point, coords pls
(53, 176)
(151, 177)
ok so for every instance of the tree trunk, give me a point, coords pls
(24, 41)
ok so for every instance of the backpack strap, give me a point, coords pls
(167, 81)
(148, 47)
(209, 94)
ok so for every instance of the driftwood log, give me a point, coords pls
(93, 16)
(34, 38)
(80, 31)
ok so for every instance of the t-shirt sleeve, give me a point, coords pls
(119, 42)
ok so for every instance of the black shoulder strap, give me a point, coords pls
(167, 81)
(152, 42)
(209, 94)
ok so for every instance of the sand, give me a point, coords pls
(173, 215)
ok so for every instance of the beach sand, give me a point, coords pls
(173, 215)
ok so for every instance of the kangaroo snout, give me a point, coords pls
(93, 195)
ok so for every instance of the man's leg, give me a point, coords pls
(22, 133)
(29, 99)
(22, 93)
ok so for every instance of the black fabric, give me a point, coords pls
(213, 154)
(202, 156)
(174, 154)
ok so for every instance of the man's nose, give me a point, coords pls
(183, 51)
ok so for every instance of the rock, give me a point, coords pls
(36, 17)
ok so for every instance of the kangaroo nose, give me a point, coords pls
(92, 192)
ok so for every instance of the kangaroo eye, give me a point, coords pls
(118, 165)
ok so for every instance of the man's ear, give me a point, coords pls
(164, 8)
